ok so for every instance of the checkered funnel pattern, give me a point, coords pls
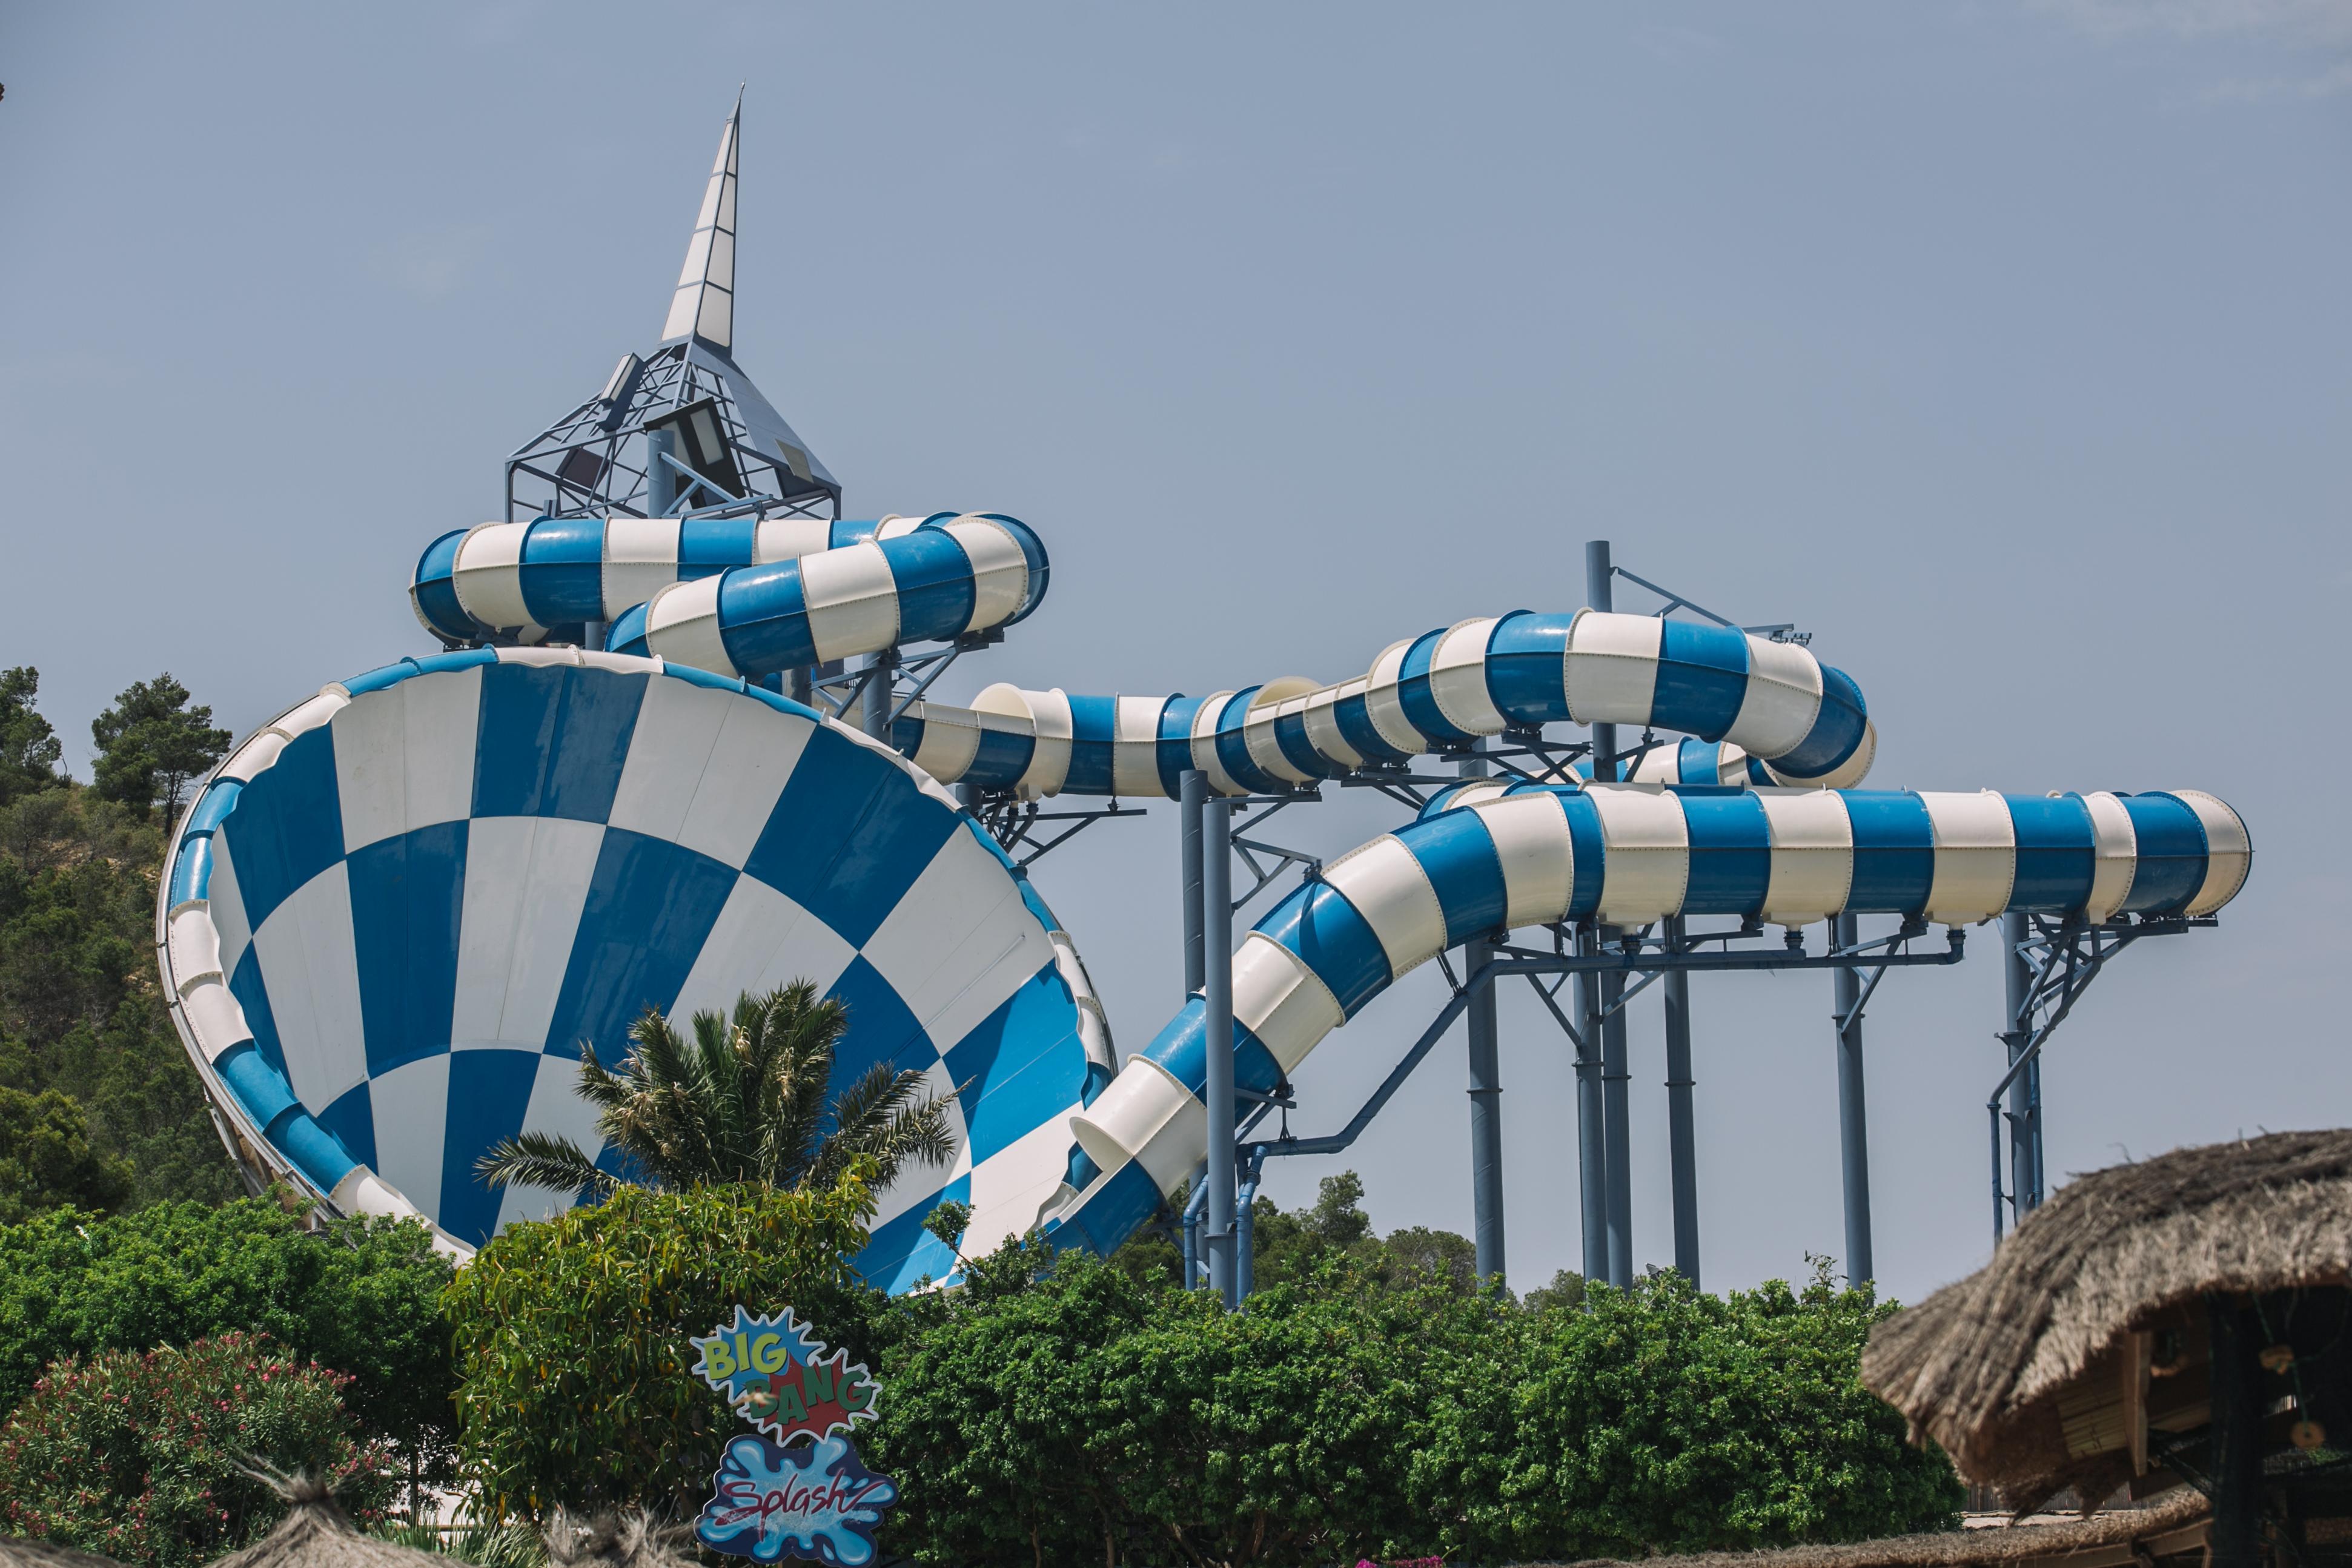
(391, 918)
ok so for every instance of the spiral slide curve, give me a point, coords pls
(392, 917)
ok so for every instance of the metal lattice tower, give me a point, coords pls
(733, 453)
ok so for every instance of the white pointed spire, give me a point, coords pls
(704, 305)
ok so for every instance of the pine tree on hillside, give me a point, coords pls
(151, 745)
(28, 747)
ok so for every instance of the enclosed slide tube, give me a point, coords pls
(1485, 858)
(751, 599)
(736, 596)
(1764, 713)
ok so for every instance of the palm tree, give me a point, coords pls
(745, 1104)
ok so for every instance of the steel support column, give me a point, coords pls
(1617, 1114)
(1854, 1131)
(1486, 1117)
(1193, 789)
(1485, 1097)
(2024, 1098)
(1682, 1126)
(1617, 1203)
(880, 688)
(1592, 1135)
(1217, 991)
(661, 479)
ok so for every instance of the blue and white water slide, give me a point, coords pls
(391, 917)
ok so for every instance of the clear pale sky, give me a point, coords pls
(2004, 346)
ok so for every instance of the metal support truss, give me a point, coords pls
(2054, 962)
(910, 674)
(1279, 858)
(595, 461)
(1779, 631)
(1638, 956)
(1013, 824)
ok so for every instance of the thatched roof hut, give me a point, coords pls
(2169, 1527)
(315, 1533)
(2082, 1354)
(17, 1552)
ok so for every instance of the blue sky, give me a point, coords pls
(2003, 346)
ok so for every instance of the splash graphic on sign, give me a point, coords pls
(817, 1502)
(780, 1377)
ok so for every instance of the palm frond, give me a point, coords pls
(544, 1160)
(887, 1116)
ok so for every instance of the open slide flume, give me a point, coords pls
(394, 915)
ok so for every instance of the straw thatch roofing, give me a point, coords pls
(632, 1540)
(2007, 1369)
(17, 1552)
(2175, 1522)
(315, 1533)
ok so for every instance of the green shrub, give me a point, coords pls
(1660, 1419)
(1374, 1408)
(572, 1336)
(137, 1455)
(1091, 1415)
(362, 1297)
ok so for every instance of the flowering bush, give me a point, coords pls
(137, 1455)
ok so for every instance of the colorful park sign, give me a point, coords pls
(778, 1377)
(771, 1500)
(817, 1502)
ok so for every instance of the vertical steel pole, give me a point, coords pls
(661, 479)
(1245, 1233)
(2034, 1127)
(880, 690)
(1854, 1131)
(1486, 1096)
(1485, 1115)
(1592, 1135)
(1616, 1109)
(2017, 985)
(1217, 991)
(1193, 789)
(1193, 1203)
(1617, 1112)
(1682, 1126)
(1599, 595)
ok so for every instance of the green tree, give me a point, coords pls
(28, 747)
(1293, 1246)
(361, 1296)
(745, 1104)
(46, 1161)
(139, 1456)
(81, 1010)
(151, 745)
(1565, 1293)
(572, 1334)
